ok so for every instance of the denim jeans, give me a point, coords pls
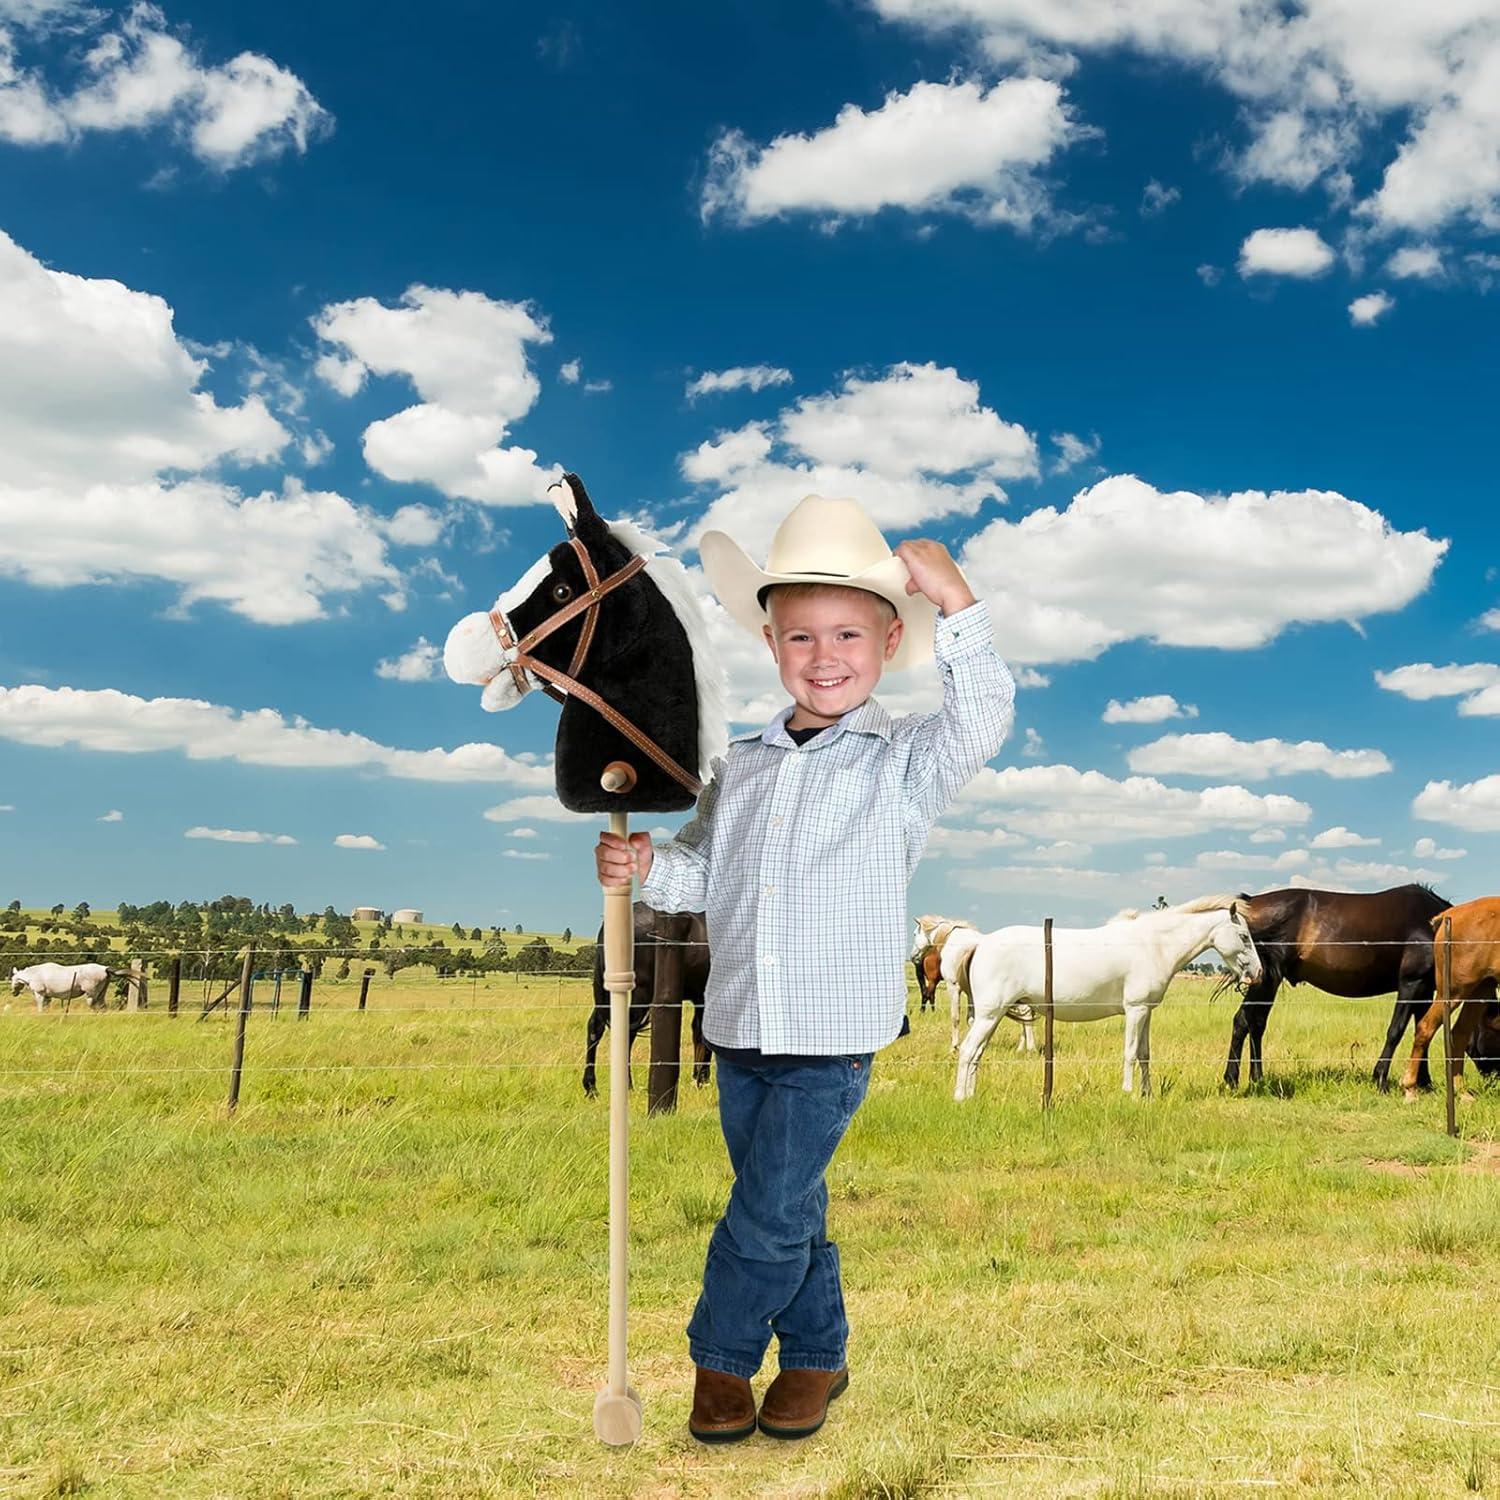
(771, 1267)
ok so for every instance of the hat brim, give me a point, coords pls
(737, 581)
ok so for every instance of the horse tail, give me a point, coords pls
(961, 971)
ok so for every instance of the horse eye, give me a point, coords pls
(561, 593)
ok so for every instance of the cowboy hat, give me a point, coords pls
(822, 541)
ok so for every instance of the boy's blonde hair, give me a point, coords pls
(886, 610)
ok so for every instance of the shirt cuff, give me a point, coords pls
(964, 634)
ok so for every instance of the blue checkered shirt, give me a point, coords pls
(800, 856)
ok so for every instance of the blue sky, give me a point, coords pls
(1175, 320)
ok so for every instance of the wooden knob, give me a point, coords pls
(619, 776)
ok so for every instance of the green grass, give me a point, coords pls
(386, 1275)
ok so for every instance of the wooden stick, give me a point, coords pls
(239, 1029)
(1447, 983)
(617, 1408)
(1047, 1013)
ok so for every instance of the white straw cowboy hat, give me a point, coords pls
(821, 541)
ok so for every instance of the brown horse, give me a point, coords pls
(928, 964)
(1347, 943)
(1475, 960)
(685, 928)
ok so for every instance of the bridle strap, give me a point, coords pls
(564, 685)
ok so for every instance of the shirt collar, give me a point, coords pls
(868, 718)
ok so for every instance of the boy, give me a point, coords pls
(800, 851)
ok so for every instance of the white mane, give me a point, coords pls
(671, 578)
(1198, 903)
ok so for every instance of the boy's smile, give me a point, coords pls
(830, 647)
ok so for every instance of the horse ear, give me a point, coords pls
(1234, 908)
(572, 501)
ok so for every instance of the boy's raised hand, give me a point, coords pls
(618, 860)
(935, 574)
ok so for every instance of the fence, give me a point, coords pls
(664, 1009)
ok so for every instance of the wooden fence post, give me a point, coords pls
(239, 1029)
(364, 987)
(1446, 994)
(304, 999)
(666, 1018)
(174, 984)
(1047, 1014)
(135, 986)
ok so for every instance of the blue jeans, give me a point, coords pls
(771, 1267)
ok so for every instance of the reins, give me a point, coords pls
(564, 685)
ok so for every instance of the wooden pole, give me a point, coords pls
(135, 986)
(304, 999)
(174, 984)
(239, 1029)
(276, 995)
(364, 987)
(666, 1019)
(617, 1408)
(1047, 1014)
(1447, 998)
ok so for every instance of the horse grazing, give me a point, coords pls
(1347, 943)
(685, 928)
(1475, 968)
(1123, 967)
(48, 982)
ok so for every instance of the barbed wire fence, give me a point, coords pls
(246, 994)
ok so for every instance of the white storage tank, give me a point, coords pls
(366, 913)
(406, 914)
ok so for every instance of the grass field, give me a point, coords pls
(385, 1275)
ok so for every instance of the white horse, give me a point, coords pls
(1123, 967)
(954, 941)
(61, 982)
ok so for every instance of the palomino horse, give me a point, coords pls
(947, 944)
(684, 928)
(1123, 967)
(48, 982)
(1475, 969)
(1346, 943)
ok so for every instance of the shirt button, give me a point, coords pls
(770, 960)
(775, 820)
(770, 890)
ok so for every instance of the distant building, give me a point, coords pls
(366, 913)
(406, 914)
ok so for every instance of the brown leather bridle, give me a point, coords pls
(565, 685)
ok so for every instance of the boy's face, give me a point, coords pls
(830, 648)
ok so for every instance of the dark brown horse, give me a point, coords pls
(685, 928)
(1346, 943)
(928, 964)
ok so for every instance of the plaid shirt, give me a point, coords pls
(800, 856)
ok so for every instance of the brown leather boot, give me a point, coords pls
(723, 1407)
(796, 1402)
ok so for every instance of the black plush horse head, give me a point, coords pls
(614, 631)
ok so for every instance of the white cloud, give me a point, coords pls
(1219, 754)
(914, 444)
(414, 526)
(596, 387)
(108, 720)
(1029, 677)
(939, 148)
(1428, 849)
(968, 843)
(569, 372)
(1149, 710)
(523, 833)
(1489, 620)
(357, 841)
(238, 836)
(1318, 81)
(1268, 836)
(1420, 261)
(1210, 275)
(1285, 252)
(140, 76)
(525, 854)
(1486, 702)
(1060, 802)
(1072, 450)
(1157, 198)
(741, 377)
(422, 663)
(519, 809)
(466, 355)
(1478, 683)
(1231, 571)
(114, 815)
(1340, 837)
(1034, 747)
(1474, 806)
(1368, 310)
(82, 501)
(1233, 861)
